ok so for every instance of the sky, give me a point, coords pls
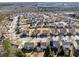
(39, 0)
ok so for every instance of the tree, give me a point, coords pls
(48, 52)
(19, 53)
(8, 47)
(78, 34)
(72, 50)
(1, 17)
(61, 52)
(67, 52)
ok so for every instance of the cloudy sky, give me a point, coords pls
(39, 0)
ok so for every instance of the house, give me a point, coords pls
(66, 45)
(54, 44)
(24, 35)
(72, 31)
(36, 33)
(63, 31)
(1, 37)
(43, 45)
(59, 24)
(18, 43)
(76, 44)
(28, 46)
(55, 38)
(56, 32)
(71, 23)
(40, 43)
